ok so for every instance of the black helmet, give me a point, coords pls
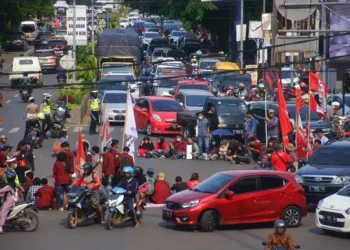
(280, 224)
(87, 165)
(138, 171)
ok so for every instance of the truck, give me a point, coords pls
(228, 114)
(118, 48)
(26, 69)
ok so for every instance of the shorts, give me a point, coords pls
(95, 200)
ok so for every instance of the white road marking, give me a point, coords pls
(1, 129)
(14, 130)
(16, 95)
(148, 205)
(8, 101)
(76, 129)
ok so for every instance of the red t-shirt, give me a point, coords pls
(192, 184)
(46, 197)
(161, 192)
(280, 160)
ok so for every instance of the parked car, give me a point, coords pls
(157, 115)
(20, 65)
(238, 197)
(193, 99)
(115, 103)
(190, 84)
(42, 40)
(60, 46)
(333, 212)
(16, 41)
(47, 58)
(326, 172)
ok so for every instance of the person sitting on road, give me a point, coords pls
(90, 180)
(161, 148)
(194, 181)
(224, 144)
(241, 155)
(279, 239)
(255, 148)
(147, 188)
(161, 190)
(8, 193)
(177, 148)
(213, 151)
(31, 198)
(45, 196)
(131, 186)
(145, 147)
(195, 148)
(179, 185)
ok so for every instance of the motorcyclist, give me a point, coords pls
(199, 76)
(61, 74)
(253, 96)
(129, 183)
(261, 90)
(242, 92)
(92, 182)
(32, 111)
(229, 91)
(147, 85)
(279, 239)
(7, 193)
(147, 67)
(45, 108)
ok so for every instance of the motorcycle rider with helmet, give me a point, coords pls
(147, 67)
(335, 111)
(7, 193)
(90, 180)
(129, 183)
(279, 239)
(45, 108)
(242, 92)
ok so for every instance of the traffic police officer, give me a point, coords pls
(94, 111)
(46, 110)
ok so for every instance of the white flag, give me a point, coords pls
(105, 130)
(130, 126)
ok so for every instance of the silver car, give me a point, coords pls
(149, 36)
(206, 65)
(193, 99)
(115, 103)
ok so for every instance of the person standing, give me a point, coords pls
(179, 185)
(272, 125)
(203, 134)
(320, 136)
(124, 160)
(94, 111)
(250, 126)
(46, 109)
(336, 132)
(70, 156)
(97, 161)
(108, 165)
(62, 179)
(280, 160)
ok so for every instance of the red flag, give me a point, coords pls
(286, 127)
(299, 100)
(301, 140)
(313, 81)
(80, 157)
(322, 88)
(315, 107)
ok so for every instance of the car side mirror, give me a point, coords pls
(144, 110)
(229, 194)
(171, 92)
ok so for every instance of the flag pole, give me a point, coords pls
(126, 115)
(308, 124)
(263, 75)
(102, 127)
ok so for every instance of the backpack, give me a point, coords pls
(150, 181)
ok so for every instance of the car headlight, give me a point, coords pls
(156, 117)
(299, 179)
(347, 211)
(319, 205)
(222, 125)
(190, 204)
(342, 180)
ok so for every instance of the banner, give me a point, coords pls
(130, 126)
(105, 130)
(80, 158)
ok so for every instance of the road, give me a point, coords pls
(153, 233)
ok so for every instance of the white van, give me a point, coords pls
(30, 28)
(21, 65)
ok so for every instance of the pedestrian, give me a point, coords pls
(97, 161)
(179, 185)
(31, 198)
(161, 190)
(25, 160)
(336, 132)
(250, 126)
(94, 111)
(62, 179)
(194, 181)
(272, 124)
(45, 196)
(280, 160)
(70, 156)
(4, 142)
(108, 166)
(88, 157)
(62, 137)
(203, 134)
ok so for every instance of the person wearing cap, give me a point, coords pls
(203, 133)
(261, 91)
(320, 136)
(45, 108)
(272, 124)
(250, 126)
(161, 190)
(4, 142)
(336, 131)
(94, 111)
(32, 111)
(242, 92)
(336, 111)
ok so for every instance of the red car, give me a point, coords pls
(190, 84)
(157, 115)
(238, 197)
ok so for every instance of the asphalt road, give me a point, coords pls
(153, 233)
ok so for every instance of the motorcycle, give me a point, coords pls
(79, 207)
(61, 79)
(148, 89)
(118, 211)
(280, 248)
(24, 217)
(34, 137)
(59, 118)
(25, 91)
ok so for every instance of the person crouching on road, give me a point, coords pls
(145, 147)
(130, 185)
(195, 148)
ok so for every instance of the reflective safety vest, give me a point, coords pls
(46, 109)
(95, 104)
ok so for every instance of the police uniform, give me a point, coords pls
(94, 114)
(335, 132)
(46, 123)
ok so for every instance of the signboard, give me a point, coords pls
(255, 30)
(238, 32)
(80, 25)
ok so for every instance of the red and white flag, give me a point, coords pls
(80, 158)
(316, 84)
(105, 130)
(315, 107)
(301, 140)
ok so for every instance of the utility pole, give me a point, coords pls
(264, 6)
(242, 39)
(92, 28)
(74, 40)
(323, 27)
(274, 27)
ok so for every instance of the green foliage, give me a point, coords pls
(86, 60)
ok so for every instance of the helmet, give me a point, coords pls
(87, 165)
(335, 104)
(261, 86)
(129, 170)
(280, 224)
(31, 99)
(229, 88)
(138, 171)
(10, 175)
(241, 85)
(46, 96)
(41, 116)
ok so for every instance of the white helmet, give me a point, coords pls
(46, 95)
(335, 104)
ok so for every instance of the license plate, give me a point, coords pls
(330, 218)
(317, 189)
(239, 132)
(119, 117)
(168, 214)
(57, 125)
(174, 126)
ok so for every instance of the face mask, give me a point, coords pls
(213, 143)
(200, 117)
(178, 139)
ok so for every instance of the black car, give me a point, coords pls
(176, 54)
(326, 172)
(258, 109)
(42, 40)
(60, 46)
(233, 79)
(16, 41)
(189, 43)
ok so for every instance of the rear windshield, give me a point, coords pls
(207, 65)
(176, 33)
(44, 53)
(114, 98)
(194, 86)
(115, 69)
(111, 85)
(234, 81)
(196, 100)
(28, 28)
(168, 83)
(176, 54)
(58, 43)
(25, 62)
(228, 107)
(330, 156)
(166, 106)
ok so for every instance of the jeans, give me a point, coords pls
(203, 143)
(94, 115)
(159, 154)
(130, 204)
(60, 190)
(174, 153)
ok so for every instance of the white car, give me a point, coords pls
(124, 23)
(115, 103)
(148, 37)
(289, 77)
(333, 212)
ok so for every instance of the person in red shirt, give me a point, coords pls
(161, 190)
(46, 196)
(88, 156)
(177, 148)
(280, 160)
(124, 160)
(316, 145)
(70, 156)
(145, 147)
(62, 178)
(194, 180)
(161, 148)
(108, 165)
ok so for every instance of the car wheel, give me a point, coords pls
(149, 129)
(292, 216)
(208, 221)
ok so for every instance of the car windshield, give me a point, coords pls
(114, 98)
(25, 62)
(115, 68)
(196, 100)
(330, 156)
(157, 53)
(44, 37)
(214, 183)
(304, 113)
(148, 25)
(285, 74)
(44, 53)
(235, 80)
(194, 86)
(207, 65)
(177, 33)
(168, 83)
(151, 35)
(229, 107)
(27, 28)
(166, 106)
(58, 43)
(345, 191)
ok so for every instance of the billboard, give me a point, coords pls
(80, 25)
(339, 45)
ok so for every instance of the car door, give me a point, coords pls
(137, 110)
(242, 205)
(144, 114)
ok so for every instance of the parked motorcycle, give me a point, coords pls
(280, 248)
(119, 213)
(23, 216)
(79, 207)
(59, 118)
